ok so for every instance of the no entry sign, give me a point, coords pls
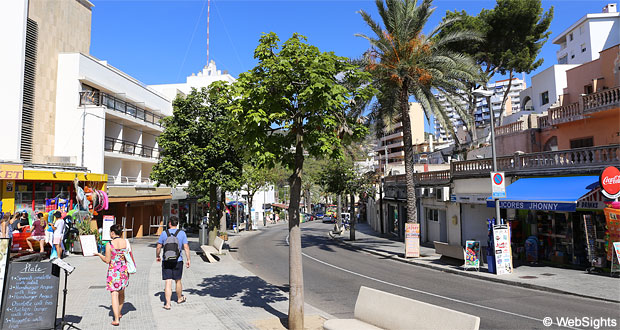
(498, 185)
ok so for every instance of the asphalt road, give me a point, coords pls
(333, 274)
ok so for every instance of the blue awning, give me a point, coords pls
(546, 194)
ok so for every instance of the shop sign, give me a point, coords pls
(11, 172)
(498, 185)
(412, 240)
(590, 205)
(503, 255)
(610, 182)
(539, 206)
(472, 198)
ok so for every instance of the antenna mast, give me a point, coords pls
(208, 15)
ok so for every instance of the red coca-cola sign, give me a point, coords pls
(610, 182)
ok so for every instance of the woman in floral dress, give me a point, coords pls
(118, 277)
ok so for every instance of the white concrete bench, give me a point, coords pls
(376, 309)
(215, 248)
(453, 251)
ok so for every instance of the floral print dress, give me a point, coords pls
(118, 277)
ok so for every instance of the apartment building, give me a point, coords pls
(114, 123)
(583, 40)
(482, 114)
(390, 148)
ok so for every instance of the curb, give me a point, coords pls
(472, 275)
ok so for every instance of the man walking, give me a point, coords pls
(173, 240)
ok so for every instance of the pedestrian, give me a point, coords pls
(6, 230)
(59, 231)
(118, 275)
(23, 222)
(173, 240)
(37, 233)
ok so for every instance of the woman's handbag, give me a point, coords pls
(131, 263)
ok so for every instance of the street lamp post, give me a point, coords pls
(482, 92)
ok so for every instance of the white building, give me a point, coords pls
(482, 115)
(582, 41)
(547, 89)
(204, 78)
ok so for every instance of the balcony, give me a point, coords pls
(103, 99)
(572, 161)
(587, 104)
(515, 127)
(543, 121)
(130, 148)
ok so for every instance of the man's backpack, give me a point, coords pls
(172, 250)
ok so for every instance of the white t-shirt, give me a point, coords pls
(60, 227)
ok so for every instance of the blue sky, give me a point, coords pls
(162, 41)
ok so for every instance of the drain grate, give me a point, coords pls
(547, 274)
(97, 287)
(528, 277)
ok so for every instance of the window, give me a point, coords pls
(544, 98)
(582, 142)
(583, 48)
(432, 215)
(570, 37)
(581, 29)
(563, 60)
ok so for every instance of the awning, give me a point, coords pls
(138, 199)
(546, 194)
(282, 206)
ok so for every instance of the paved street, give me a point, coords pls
(224, 295)
(333, 274)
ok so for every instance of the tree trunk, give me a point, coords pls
(338, 208)
(212, 206)
(412, 214)
(250, 223)
(472, 113)
(352, 220)
(223, 211)
(501, 109)
(296, 280)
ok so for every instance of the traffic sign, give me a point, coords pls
(498, 185)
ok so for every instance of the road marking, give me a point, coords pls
(420, 291)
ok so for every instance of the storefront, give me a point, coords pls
(42, 188)
(556, 220)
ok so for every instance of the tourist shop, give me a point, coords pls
(556, 220)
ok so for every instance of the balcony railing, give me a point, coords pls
(587, 104)
(433, 177)
(517, 126)
(130, 148)
(114, 103)
(543, 121)
(580, 160)
(602, 99)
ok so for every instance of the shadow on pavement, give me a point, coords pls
(250, 290)
(127, 307)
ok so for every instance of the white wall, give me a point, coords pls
(474, 218)
(597, 31)
(74, 68)
(13, 18)
(600, 38)
(553, 80)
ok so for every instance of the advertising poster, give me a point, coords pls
(5, 243)
(613, 226)
(503, 255)
(412, 240)
(472, 254)
(108, 221)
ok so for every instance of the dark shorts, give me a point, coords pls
(171, 270)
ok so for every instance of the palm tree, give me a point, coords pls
(405, 62)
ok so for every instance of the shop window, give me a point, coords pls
(23, 195)
(544, 97)
(42, 191)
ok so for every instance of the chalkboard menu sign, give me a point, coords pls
(31, 296)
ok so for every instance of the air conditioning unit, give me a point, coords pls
(442, 194)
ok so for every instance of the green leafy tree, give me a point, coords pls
(197, 145)
(296, 102)
(514, 32)
(405, 62)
